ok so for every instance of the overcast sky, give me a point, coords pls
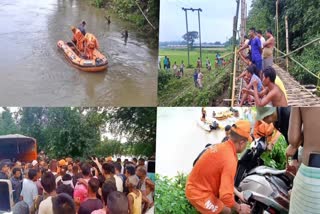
(216, 19)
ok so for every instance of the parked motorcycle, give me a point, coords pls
(265, 189)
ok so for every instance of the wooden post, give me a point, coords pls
(318, 85)
(243, 25)
(234, 77)
(234, 41)
(277, 26)
(287, 42)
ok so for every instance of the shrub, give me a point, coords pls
(170, 195)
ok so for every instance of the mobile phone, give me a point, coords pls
(314, 159)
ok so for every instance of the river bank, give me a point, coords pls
(143, 16)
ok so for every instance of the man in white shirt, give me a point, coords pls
(262, 39)
(29, 188)
(120, 178)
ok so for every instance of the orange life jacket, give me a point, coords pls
(213, 174)
(78, 37)
(91, 41)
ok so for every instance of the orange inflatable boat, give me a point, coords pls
(100, 63)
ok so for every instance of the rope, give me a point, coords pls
(306, 69)
(144, 15)
(285, 55)
(227, 54)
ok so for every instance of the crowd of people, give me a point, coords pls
(178, 70)
(263, 86)
(66, 186)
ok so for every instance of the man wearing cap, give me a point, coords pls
(280, 117)
(78, 38)
(211, 189)
(34, 163)
(62, 170)
(4, 170)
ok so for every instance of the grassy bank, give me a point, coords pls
(182, 92)
(177, 55)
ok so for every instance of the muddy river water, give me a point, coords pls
(34, 73)
(180, 139)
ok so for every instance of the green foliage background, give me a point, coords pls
(76, 132)
(170, 195)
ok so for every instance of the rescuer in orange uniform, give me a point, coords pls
(91, 43)
(210, 186)
(78, 38)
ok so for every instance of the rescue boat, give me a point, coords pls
(100, 63)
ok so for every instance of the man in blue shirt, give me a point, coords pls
(4, 170)
(16, 184)
(195, 78)
(82, 27)
(256, 50)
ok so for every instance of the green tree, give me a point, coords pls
(109, 148)
(7, 123)
(32, 122)
(72, 133)
(190, 37)
(138, 125)
(77, 132)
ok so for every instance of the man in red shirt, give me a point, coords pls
(210, 186)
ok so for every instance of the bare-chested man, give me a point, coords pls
(304, 127)
(268, 46)
(271, 95)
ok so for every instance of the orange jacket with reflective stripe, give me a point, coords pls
(214, 173)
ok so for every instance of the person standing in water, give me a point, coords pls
(125, 35)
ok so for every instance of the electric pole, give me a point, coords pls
(185, 10)
(199, 10)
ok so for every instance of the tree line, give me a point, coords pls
(77, 132)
